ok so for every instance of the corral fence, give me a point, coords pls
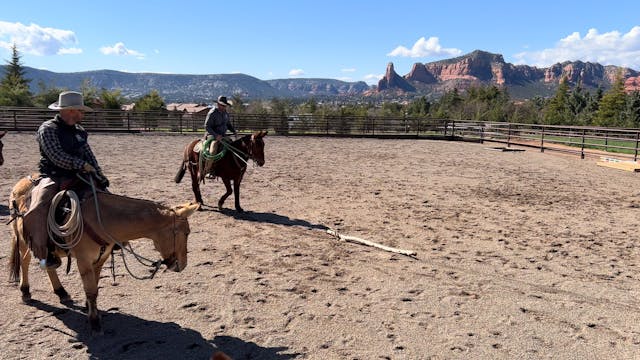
(579, 140)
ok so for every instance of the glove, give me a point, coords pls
(88, 168)
(103, 182)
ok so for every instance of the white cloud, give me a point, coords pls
(344, 78)
(611, 48)
(349, 70)
(120, 50)
(36, 40)
(373, 78)
(296, 72)
(425, 48)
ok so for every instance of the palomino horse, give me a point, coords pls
(2, 133)
(231, 166)
(121, 218)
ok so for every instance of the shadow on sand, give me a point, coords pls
(130, 337)
(4, 210)
(270, 218)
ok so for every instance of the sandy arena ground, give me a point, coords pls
(519, 255)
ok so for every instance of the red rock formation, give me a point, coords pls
(392, 80)
(481, 67)
(632, 84)
(420, 73)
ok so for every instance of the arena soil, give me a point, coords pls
(519, 255)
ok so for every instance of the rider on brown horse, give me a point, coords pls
(216, 124)
(64, 152)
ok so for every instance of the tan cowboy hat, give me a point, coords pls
(70, 100)
(222, 100)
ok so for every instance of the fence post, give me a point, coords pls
(327, 126)
(128, 121)
(481, 133)
(582, 146)
(180, 123)
(542, 140)
(509, 136)
(635, 155)
(606, 140)
(453, 128)
(445, 127)
(15, 120)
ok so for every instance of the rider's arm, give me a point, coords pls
(87, 153)
(230, 126)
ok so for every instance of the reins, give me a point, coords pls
(141, 259)
(239, 153)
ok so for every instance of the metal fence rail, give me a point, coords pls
(582, 141)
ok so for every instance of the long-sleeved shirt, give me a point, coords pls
(63, 148)
(218, 122)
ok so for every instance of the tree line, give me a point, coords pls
(569, 105)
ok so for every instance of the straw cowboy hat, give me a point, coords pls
(70, 100)
(222, 100)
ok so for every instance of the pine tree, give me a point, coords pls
(612, 106)
(632, 112)
(14, 87)
(557, 110)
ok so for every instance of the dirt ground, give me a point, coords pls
(519, 255)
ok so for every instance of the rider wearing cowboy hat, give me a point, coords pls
(217, 123)
(64, 151)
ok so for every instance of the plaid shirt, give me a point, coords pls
(51, 148)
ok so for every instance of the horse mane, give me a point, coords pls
(139, 201)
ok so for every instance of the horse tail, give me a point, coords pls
(14, 258)
(180, 174)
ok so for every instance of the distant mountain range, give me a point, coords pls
(428, 79)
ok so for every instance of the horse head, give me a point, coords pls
(255, 148)
(173, 248)
(2, 133)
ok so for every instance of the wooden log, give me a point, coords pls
(360, 241)
(622, 165)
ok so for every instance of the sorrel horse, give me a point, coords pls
(121, 219)
(2, 133)
(231, 166)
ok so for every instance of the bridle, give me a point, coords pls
(239, 154)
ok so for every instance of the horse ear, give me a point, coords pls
(187, 209)
(264, 133)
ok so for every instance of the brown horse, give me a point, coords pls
(121, 219)
(231, 166)
(2, 133)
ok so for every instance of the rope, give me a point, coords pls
(141, 259)
(207, 155)
(72, 228)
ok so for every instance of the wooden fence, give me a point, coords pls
(582, 141)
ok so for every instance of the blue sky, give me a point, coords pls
(347, 40)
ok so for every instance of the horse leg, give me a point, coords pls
(58, 289)
(90, 284)
(25, 256)
(227, 185)
(236, 190)
(195, 185)
(97, 267)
